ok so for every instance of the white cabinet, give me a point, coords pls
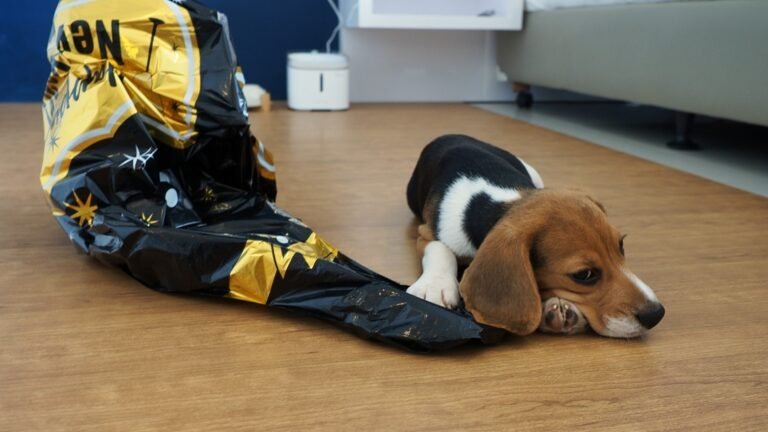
(434, 14)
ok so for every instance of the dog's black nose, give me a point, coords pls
(651, 315)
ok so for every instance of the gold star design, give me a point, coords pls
(84, 211)
(208, 194)
(148, 219)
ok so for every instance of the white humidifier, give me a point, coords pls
(318, 81)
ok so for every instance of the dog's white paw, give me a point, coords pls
(440, 290)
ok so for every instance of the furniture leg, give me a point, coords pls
(683, 125)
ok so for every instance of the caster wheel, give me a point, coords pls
(524, 99)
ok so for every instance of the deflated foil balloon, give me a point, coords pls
(150, 166)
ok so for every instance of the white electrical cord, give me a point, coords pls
(336, 31)
(352, 11)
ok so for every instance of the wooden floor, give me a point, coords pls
(84, 347)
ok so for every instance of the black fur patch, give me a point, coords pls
(449, 157)
(481, 215)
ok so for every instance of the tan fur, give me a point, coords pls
(425, 236)
(426, 230)
(428, 213)
(499, 287)
(566, 232)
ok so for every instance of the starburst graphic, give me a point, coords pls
(148, 219)
(208, 194)
(53, 142)
(84, 211)
(140, 159)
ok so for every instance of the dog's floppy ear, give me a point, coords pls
(499, 287)
(598, 204)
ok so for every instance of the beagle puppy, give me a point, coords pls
(537, 258)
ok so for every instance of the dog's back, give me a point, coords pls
(463, 186)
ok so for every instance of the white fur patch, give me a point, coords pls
(645, 289)
(535, 176)
(453, 208)
(629, 326)
(624, 327)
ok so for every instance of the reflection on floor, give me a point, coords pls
(732, 153)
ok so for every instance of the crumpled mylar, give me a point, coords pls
(150, 166)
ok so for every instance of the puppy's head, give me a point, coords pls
(557, 244)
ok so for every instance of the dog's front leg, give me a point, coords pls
(437, 283)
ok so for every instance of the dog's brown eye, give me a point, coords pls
(586, 276)
(621, 244)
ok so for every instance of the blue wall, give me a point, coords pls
(263, 33)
